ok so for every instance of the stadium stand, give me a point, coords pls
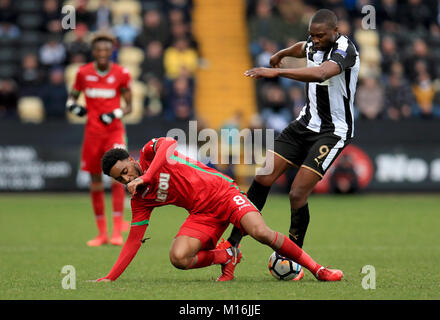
(156, 38)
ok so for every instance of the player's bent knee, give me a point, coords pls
(179, 261)
(297, 197)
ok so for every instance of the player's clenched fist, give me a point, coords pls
(76, 109)
(132, 185)
(107, 118)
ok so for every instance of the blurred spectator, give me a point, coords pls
(418, 14)
(344, 178)
(296, 100)
(424, 92)
(420, 53)
(180, 99)
(153, 103)
(180, 59)
(263, 25)
(9, 30)
(153, 61)
(154, 28)
(7, 12)
(52, 53)
(8, 98)
(79, 43)
(398, 97)
(125, 32)
(185, 6)
(274, 112)
(180, 30)
(269, 48)
(51, 16)
(295, 23)
(54, 95)
(369, 98)
(83, 14)
(388, 14)
(103, 16)
(389, 54)
(31, 76)
(176, 15)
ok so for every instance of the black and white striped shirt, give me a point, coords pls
(329, 104)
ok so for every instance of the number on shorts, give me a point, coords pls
(239, 200)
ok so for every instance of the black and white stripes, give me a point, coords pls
(329, 104)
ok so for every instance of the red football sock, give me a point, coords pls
(118, 198)
(99, 210)
(209, 257)
(291, 251)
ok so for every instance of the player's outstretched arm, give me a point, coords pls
(311, 74)
(128, 252)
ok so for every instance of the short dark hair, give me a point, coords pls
(111, 157)
(325, 16)
(102, 36)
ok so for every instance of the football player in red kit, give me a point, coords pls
(102, 82)
(163, 176)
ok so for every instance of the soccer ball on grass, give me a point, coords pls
(282, 268)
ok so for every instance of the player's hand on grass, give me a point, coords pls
(132, 185)
(258, 73)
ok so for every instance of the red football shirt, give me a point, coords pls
(102, 94)
(181, 181)
(178, 180)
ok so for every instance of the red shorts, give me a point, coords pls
(208, 227)
(94, 147)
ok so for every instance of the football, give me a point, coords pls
(282, 268)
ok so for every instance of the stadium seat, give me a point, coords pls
(32, 38)
(138, 90)
(30, 109)
(8, 55)
(30, 21)
(130, 55)
(70, 74)
(28, 6)
(127, 7)
(8, 70)
(134, 69)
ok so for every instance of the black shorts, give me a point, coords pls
(301, 147)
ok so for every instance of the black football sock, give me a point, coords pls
(299, 221)
(257, 194)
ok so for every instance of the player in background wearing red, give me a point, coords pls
(103, 82)
(163, 176)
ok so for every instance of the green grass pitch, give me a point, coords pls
(397, 234)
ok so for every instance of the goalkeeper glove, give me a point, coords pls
(76, 109)
(107, 118)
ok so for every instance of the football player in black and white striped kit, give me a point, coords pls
(325, 125)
